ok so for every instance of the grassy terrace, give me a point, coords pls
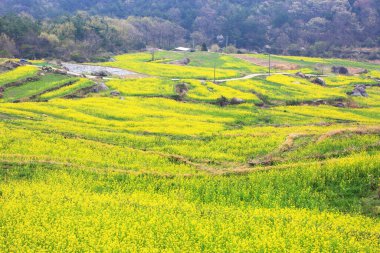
(29, 89)
(145, 172)
(207, 60)
(312, 61)
(200, 67)
(80, 84)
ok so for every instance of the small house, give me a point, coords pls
(183, 49)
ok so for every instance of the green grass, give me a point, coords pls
(68, 90)
(207, 60)
(313, 61)
(280, 88)
(36, 87)
(373, 99)
(141, 63)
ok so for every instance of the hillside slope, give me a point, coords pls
(155, 163)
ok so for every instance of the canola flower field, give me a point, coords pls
(151, 171)
(17, 74)
(141, 63)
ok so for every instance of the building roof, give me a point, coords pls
(182, 49)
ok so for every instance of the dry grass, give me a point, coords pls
(361, 131)
(271, 158)
(264, 63)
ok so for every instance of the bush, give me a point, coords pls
(100, 59)
(215, 48)
(77, 57)
(243, 51)
(204, 47)
(5, 54)
(231, 50)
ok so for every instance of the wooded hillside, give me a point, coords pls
(310, 27)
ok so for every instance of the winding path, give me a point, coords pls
(261, 74)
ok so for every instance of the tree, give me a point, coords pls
(214, 48)
(230, 50)
(204, 47)
(104, 26)
(7, 46)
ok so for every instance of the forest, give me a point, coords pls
(78, 29)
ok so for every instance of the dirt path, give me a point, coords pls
(249, 77)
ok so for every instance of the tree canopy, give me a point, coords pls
(312, 27)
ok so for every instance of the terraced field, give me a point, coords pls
(18, 74)
(309, 64)
(37, 87)
(170, 163)
(225, 67)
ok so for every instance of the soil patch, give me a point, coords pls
(264, 63)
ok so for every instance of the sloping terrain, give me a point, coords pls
(173, 163)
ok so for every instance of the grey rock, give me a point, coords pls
(11, 65)
(115, 93)
(100, 87)
(300, 74)
(60, 71)
(184, 61)
(47, 69)
(356, 94)
(359, 91)
(181, 89)
(237, 101)
(340, 70)
(319, 102)
(319, 81)
(101, 73)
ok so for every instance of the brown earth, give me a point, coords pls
(264, 63)
(355, 71)
(375, 61)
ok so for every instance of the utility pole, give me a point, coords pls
(152, 51)
(214, 72)
(268, 48)
(269, 65)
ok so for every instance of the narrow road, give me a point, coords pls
(250, 76)
(262, 74)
